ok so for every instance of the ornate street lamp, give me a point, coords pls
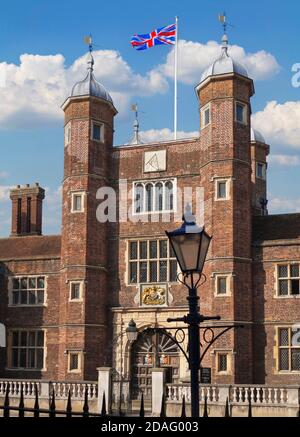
(190, 244)
(131, 331)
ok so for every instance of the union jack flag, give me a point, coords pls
(163, 35)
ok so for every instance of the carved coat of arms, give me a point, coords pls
(154, 295)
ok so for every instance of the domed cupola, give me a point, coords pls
(89, 86)
(225, 64)
(256, 137)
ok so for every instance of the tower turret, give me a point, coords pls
(224, 94)
(89, 127)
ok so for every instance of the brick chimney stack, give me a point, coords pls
(27, 205)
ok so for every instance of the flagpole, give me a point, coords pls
(175, 79)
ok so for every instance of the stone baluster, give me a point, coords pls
(234, 394)
(169, 394)
(270, 397)
(282, 396)
(214, 394)
(276, 395)
(180, 395)
(94, 391)
(252, 397)
(263, 395)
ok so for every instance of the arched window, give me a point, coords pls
(149, 197)
(169, 200)
(139, 198)
(153, 196)
(159, 196)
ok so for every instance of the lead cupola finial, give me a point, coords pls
(225, 42)
(89, 41)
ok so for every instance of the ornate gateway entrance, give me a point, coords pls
(152, 350)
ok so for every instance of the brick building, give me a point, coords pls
(66, 300)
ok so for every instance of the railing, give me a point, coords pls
(77, 389)
(46, 388)
(259, 395)
(176, 392)
(236, 394)
(17, 385)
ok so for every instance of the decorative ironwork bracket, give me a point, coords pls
(179, 336)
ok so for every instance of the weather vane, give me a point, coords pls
(224, 22)
(89, 41)
(136, 126)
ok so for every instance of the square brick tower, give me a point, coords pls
(89, 119)
(224, 94)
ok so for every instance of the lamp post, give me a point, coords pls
(131, 334)
(190, 244)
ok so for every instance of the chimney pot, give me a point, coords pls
(27, 205)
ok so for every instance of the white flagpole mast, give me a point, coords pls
(175, 79)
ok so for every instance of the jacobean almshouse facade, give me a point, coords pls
(67, 299)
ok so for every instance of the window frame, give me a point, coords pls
(264, 170)
(218, 181)
(168, 259)
(101, 126)
(228, 354)
(27, 347)
(205, 108)
(165, 197)
(82, 194)
(76, 282)
(289, 347)
(68, 133)
(245, 113)
(11, 290)
(288, 278)
(80, 361)
(228, 277)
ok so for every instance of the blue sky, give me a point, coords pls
(265, 37)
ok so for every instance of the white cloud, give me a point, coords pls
(195, 57)
(36, 88)
(165, 134)
(285, 160)
(279, 123)
(4, 193)
(3, 174)
(52, 208)
(278, 205)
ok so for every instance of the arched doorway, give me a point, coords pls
(152, 350)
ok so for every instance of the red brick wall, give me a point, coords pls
(271, 311)
(225, 147)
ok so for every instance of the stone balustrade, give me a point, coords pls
(15, 387)
(77, 389)
(45, 388)
(236, 394)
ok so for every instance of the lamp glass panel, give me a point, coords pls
(203, 251)
(186, 248)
